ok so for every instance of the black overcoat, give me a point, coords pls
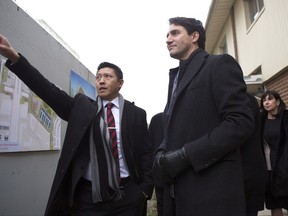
(254, 164)
(211, 118)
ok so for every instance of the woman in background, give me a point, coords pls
(275, 141)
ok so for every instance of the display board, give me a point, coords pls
(26, 122)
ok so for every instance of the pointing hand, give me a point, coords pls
(7, 50)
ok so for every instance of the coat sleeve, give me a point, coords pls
(236, 122)
(56, 98)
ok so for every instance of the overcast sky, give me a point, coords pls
(129, 33)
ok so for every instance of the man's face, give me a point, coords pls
(179, 43)
(107, 84)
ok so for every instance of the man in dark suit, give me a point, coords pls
(253, 162)
(206, 120)
(156, 138)
(254, 165)
(91, 177)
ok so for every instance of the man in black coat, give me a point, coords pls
(90, 179)
(156, 137)
(254, 165)
(206, 120)
(253, 162)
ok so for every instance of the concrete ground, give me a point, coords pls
(268, 213)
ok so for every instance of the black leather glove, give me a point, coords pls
(173, 163)
(157, 170)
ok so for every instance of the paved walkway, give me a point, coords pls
(267, 213)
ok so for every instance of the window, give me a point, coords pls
(254, 8)
(254, 82)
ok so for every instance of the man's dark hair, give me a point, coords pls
(191, 25)
(117, 70)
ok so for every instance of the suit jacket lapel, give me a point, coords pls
(93, 109)
(192, 70)
(126, 127)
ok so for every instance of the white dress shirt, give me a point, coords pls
(115, 110)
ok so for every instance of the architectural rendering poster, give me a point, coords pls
(26, 122)
(80, 85)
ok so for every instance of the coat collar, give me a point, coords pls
(193, 68)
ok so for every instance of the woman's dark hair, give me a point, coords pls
(191, 25)
(272, 94)
(117, 70)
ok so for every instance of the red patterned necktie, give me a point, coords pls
(112, 131)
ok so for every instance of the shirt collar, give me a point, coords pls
(115, 101)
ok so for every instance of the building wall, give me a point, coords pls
(227, 36)
(279, 84)
(260, 45)
(26, 177)
(263, 43)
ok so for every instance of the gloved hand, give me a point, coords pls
(157, 170)
(174, 163)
